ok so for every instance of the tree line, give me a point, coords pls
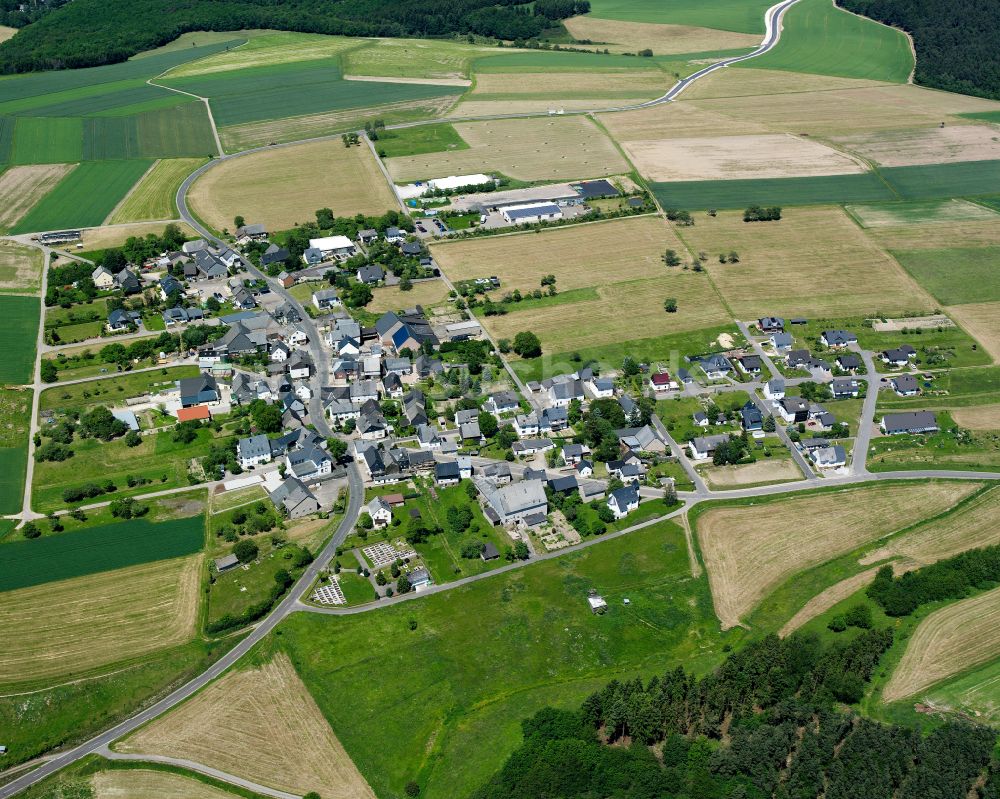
(957, 43)
(764, 724)
(87, 33)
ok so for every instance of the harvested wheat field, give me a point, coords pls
(426, 293)
(931, 145)
(765, 82)
(845, 111)
(284, 186)
(952, 639)
(569, 325)
(264, 710)
(767, 470)
(920, 212)
(750, 550)
(981, 320)
(149, 784)
(661, 39)
(71, 626)
(626, 83)
(99, 238)
(580, 256)
(828, 266)
(562, 148)
(23, 186)
(20, 268)
(676, 120)
(974, 524)
(978, 417)
(825, 600)
(776, 155)
(974, 233)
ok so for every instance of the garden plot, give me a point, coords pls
(727, 157)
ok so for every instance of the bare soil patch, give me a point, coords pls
(20, 268)
(284, 186)
(952, 639)
(661, 39)
(750, 550)
(71, 626)
(560, 148)
(23, 186)
(262, 724)
(766, 470)
(725, 157)
(981, 417)
(930, 145)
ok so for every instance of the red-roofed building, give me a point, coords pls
(662, 381)
(194, 413)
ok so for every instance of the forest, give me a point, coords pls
(87, 33)
(957, 43)
(767, 723)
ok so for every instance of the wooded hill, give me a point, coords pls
(88, 33)
(765, 724)
(957, 42)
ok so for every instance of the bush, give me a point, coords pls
(246, 551)
(472, 549)
(30, 530)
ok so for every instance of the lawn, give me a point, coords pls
(57, 316)
(85, 197)
(18, 336)
(419, 140)
(740, 193)
(158, 459)
(79, 331)
(153, 196)
(819, 37)
(112, 390)
(414, 704)
(262, 93)
(425, 293)
(955, 275)
(954, 388)
(357, 588)
(104, 547)
(727, 15)
(973, 693)
(977, 451)
(15, 407)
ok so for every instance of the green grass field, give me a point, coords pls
(43, 140)
(84, 197)
(978, 452)
(167, 133)
(154, 196)
(975, 693)
(821, 38)
(112, 390)
(955, 275)
(294, 89)
(420, 140)
(704, 194)
(561, 61)
(960, 179)
(57, 316)
(18, 335)
(357, 589)
(97, 549)
(484, 656)
(15, 407)
(742, 16)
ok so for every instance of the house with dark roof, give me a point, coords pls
(371, 274)
(781, 341)
(793, 409)
(837, 338)
(294, 499)
(200, 390)
(716, 366)
(905, 385)
(127, 282)
(501, 402)
(844, 387)
(247, 233)
(899, 356)
(909, 422)
(622, 501)
(447, 474)
(276, 255)
(771, 324)
(703, 447)
(119, 320)
(405, 331)
(751, 419)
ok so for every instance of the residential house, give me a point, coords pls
(774, 389)
(700, 418)
(447, 474)
(641, 439)
(119, 320)
(600, 387)
(572, 454)
(502, 402)
(798, 359)
(625, 471)
(750, 364)
(905, 385)
(662, 381)
(380, 512)
(464, 467)
(325, 299)
(415, 408)
(127, 282)
(371, 274)
(898, 357)
(622, 501)
(703, 447)
(909, 422)
(309, 462)
(313, 256)
(830, 457)
(584, 468)
(845, 388)
(849, 362)
(716, 367)
(685, 377)
(771, 324)
(837, 338)
(279, 352)
(367, 236)
(781, 341)
(362, 391)
(526, 425)
(563, 392)
(409, 330)
(821, 417)
(411, 248)
(793, 409)
(294, 499)
(497, 473)
(200, 390)
(385, 464)
(394, 235)
(427, 437)
(531, 446)
(338, 247)
(419, 578)
(392, 386)
(277, 255)
(103, 278)
(371, 423)
(247, 233)
(209, 266)
(515, 501)
(401, 367)
(243, 300)
(564, 484)
(751, 419)
(466, 416)
(300, 366)
(470, 432)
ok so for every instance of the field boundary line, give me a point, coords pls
(208, 109)
(121, 202)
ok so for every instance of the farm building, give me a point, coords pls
(225, 563)
(333, 246)
(531, 213)
(514, 501)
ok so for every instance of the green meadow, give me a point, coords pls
(97, 549)
(961, 179)
(84, 197)
(419, 140)
(15, 407)
(415, 704)
(18, 335)
(955, 275)
(820, 38)
(43, 140)
(742, 16)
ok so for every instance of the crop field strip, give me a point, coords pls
(660, 38)
(744, 569)
(925, 145)
(85, 197)
(980, 417)
(726, 15)
(920, 212)
(18, 335)
(154, 196)
(282, 187)
(97, 549)
(955, 275)
(135, 783)
(955, 638)
(829, 267)
(24, 186)
(20, 267)
(522, 149)
(15, 407)
(265, 709)
(73, 626)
